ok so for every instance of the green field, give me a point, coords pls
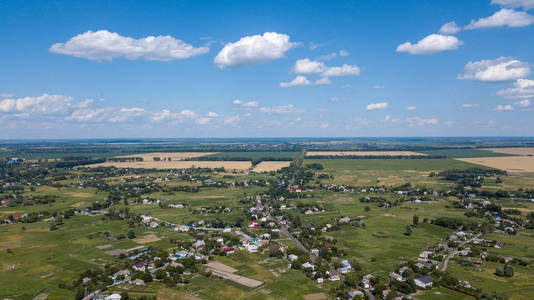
(464, 153)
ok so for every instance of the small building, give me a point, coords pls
(113, 297)
(424, 281)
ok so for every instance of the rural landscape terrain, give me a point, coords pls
(268, 219)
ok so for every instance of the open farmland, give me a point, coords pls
(524, 164)
(168, 155)
(267, 166)
(228, 165)
(363, 153)
(515, 151)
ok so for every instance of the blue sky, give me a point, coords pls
(110, 69)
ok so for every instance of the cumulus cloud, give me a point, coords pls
(449, 28)
(411, 107)
(232, 121)
(213, 114)
(162, 115)
(324, 80)
(504, 17)
(42, 105)
(302, 80)
(126, 114)
(344, 70)
(246, 104)
(250, 50)
(380, 105)
(495, 70)
(377, 86)
(298, 81)
(431, 44)
(417, 121)
(103, 45)
(522, 103)
(523, 88)
(506, 107)
(525, 4)
(306, 66)
(86, 115)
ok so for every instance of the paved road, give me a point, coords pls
(286, 232)
(454, 251)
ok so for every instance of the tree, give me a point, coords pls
(131, 234)
(415, 220)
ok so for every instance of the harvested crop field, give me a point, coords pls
(267, 166)
(146, 239)
(316, 296)
(167, 155)
(228, 165)
(520, 164)
(363, 153)
(516, 151)
(226, 272)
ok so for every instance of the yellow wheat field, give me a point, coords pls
(516, 151)
(267, 166)
(362, 153)
(517, 164)
(177, 164)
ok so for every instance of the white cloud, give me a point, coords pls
(7, 95)
(103, 45)
(306, 66)
(251, 104)
(344, 70)
(203, 120)
(378, 86)
(380, 105)
(86, 115)
(299, 80)
(232, 120)
(246, 104)
(523, 88)
(496, 70)
(314, 46)
(523, 103)
(336, 99)
(41, 105)
(250, 50)
(417, 121)
(387, 118)
(282, 109)
(126, 114)
(344, 52)
(324, 80)
(449, 28)
(323, 125)
(213, 114)
(162, 115)
(188, 113)
(411, 107)
(504, 17)
(431, 44)
(469, 105)
(506, 107)
(525, 4)
(327, 56)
